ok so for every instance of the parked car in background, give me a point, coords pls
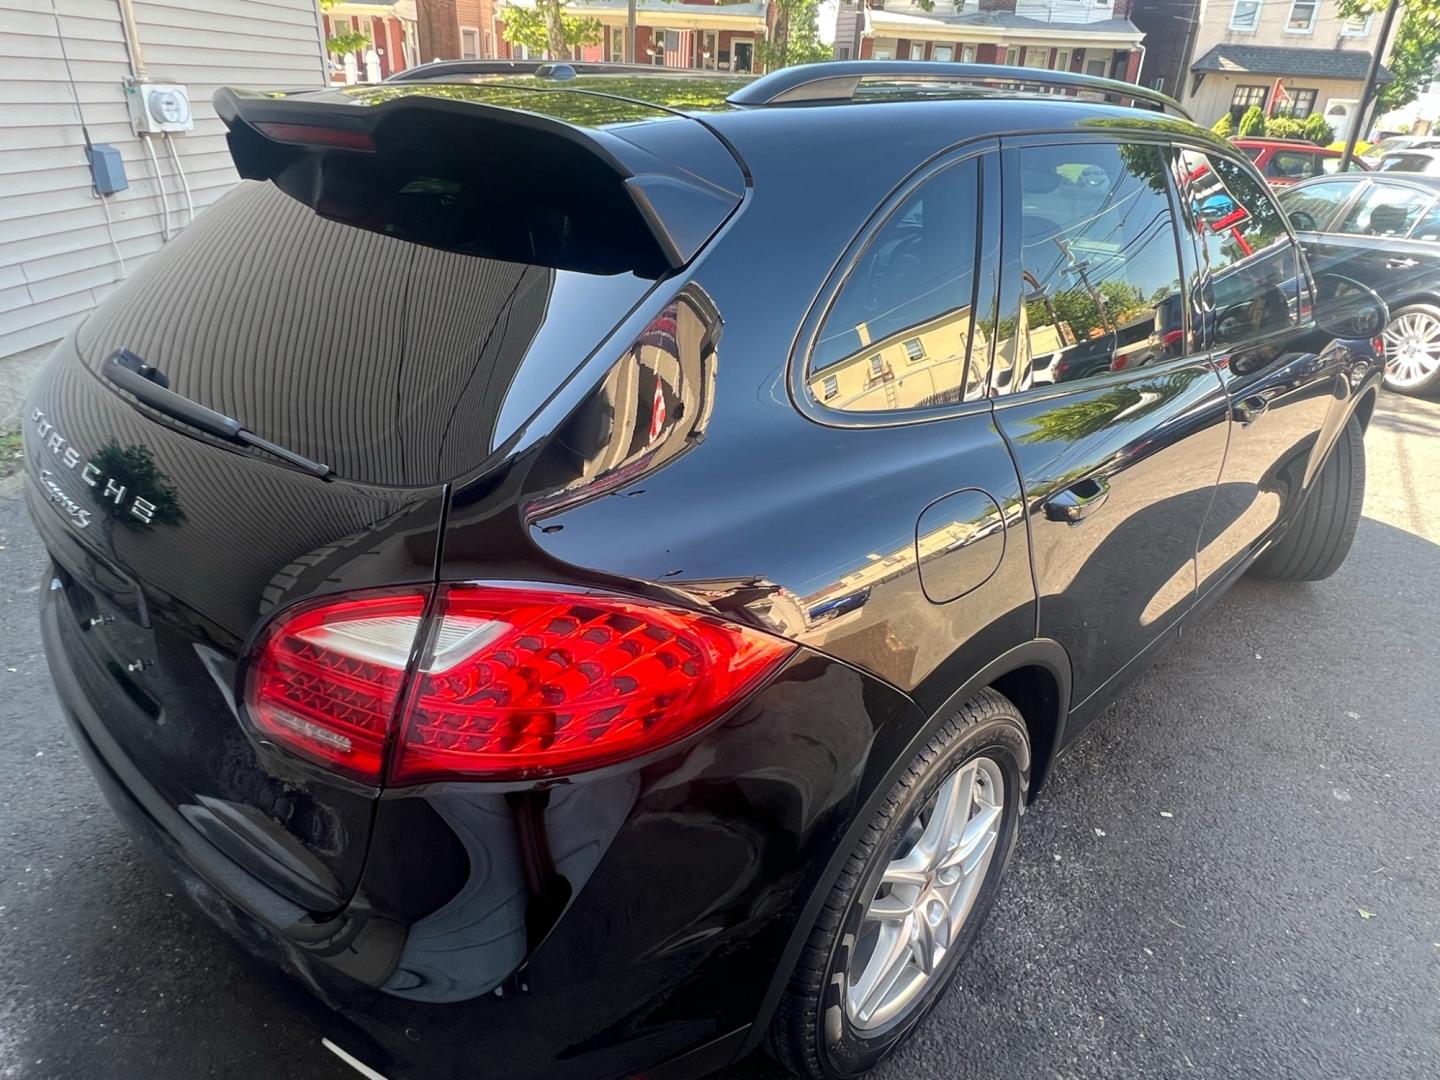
(620, 622)
(1341, 219)
(1422, 162)
(1392, 143)
(1288, 161)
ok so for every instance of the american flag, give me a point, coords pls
(679, 48)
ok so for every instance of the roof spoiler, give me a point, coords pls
(486, 180)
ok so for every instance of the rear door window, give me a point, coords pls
(1100, 270)
(900, 332)
(1386, 210)
(1249, 253)
(1313, 206)
(1293, 165)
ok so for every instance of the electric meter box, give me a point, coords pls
(157, 108)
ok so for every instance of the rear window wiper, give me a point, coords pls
(151, 387)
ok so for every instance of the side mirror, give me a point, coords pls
(1300, 221)
(1344, 308)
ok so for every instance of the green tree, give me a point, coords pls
(345, 41)
(1318, 130)
(548, 28)
(1416, 53)
(795, 36)
(1252, 123)
(1225, 126)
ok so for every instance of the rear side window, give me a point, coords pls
(1312, 207)
(900, 333)
(1386, 210)
(1253, 267)
(1293, 165)
(1100, 288)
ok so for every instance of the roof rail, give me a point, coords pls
(544, 69)
(837, 81)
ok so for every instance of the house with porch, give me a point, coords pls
(702, 34)
(1093, 37)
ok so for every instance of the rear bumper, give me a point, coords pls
(635, 922)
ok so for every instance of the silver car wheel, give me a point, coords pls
(1412, 350)
(926, 892)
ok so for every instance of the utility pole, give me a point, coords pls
(1367, 95)
(629, 53)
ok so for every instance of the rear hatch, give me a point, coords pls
(366, 308)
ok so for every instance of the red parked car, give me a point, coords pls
(1288, 161)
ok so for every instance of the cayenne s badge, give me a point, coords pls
(135, 495)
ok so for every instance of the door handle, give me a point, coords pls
(1401, 264)
(1078, 501)
(1249, 410)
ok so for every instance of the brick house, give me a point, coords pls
(698, 34)
(1094, 37)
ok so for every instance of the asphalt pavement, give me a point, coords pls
(1235, 874)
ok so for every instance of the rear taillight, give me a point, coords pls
(514, 683)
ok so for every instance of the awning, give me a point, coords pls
(1000, 26)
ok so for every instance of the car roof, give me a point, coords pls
(1425, 180)
(1287, 144)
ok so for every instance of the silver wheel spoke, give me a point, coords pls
(886, 965)
(924, 943)
(976, 840)
(888, 908)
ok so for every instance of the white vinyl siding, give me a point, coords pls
(1066, 11)
(57, 259)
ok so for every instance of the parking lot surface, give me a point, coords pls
(1236, 873)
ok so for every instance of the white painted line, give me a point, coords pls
(350, 1059)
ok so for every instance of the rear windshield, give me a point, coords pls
(1416, 163)
(390, 361)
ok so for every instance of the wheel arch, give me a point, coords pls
(1037, 674)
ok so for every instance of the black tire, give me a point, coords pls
(812, 1036)
(1320, 537)
(1428, 383)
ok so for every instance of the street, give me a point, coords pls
(1236, 873)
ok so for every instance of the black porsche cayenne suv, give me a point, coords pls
(585, 570)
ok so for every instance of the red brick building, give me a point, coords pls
(392, 29)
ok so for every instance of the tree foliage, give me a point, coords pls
(795, 38)
(548, 28)
(1251, 123)
(347, 41)
(1417, 46)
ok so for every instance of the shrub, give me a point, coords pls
(1224, 127)
(1318, 130)
(1252, 123)
(1285, 127)
(1360, 146)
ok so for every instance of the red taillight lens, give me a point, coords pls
(522, 682)
(325, 681)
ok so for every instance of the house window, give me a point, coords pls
(942, 52)
(1037, 58)
(884, 54)
(967, 54)
(617, 46)
(1297, 103)
(1245, 15)
(1245, 96)
(1095, 68)
(469, 43)
(710, 49)
(917, 50)
(842, 52)
(877, 366)
(1012, 56)
(832, 386)
(913, 349)
(1062, 59)
(1302, 16)
(1158, 83)
(1356, 26)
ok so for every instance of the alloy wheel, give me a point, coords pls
(925, 894)
(1412, 349)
